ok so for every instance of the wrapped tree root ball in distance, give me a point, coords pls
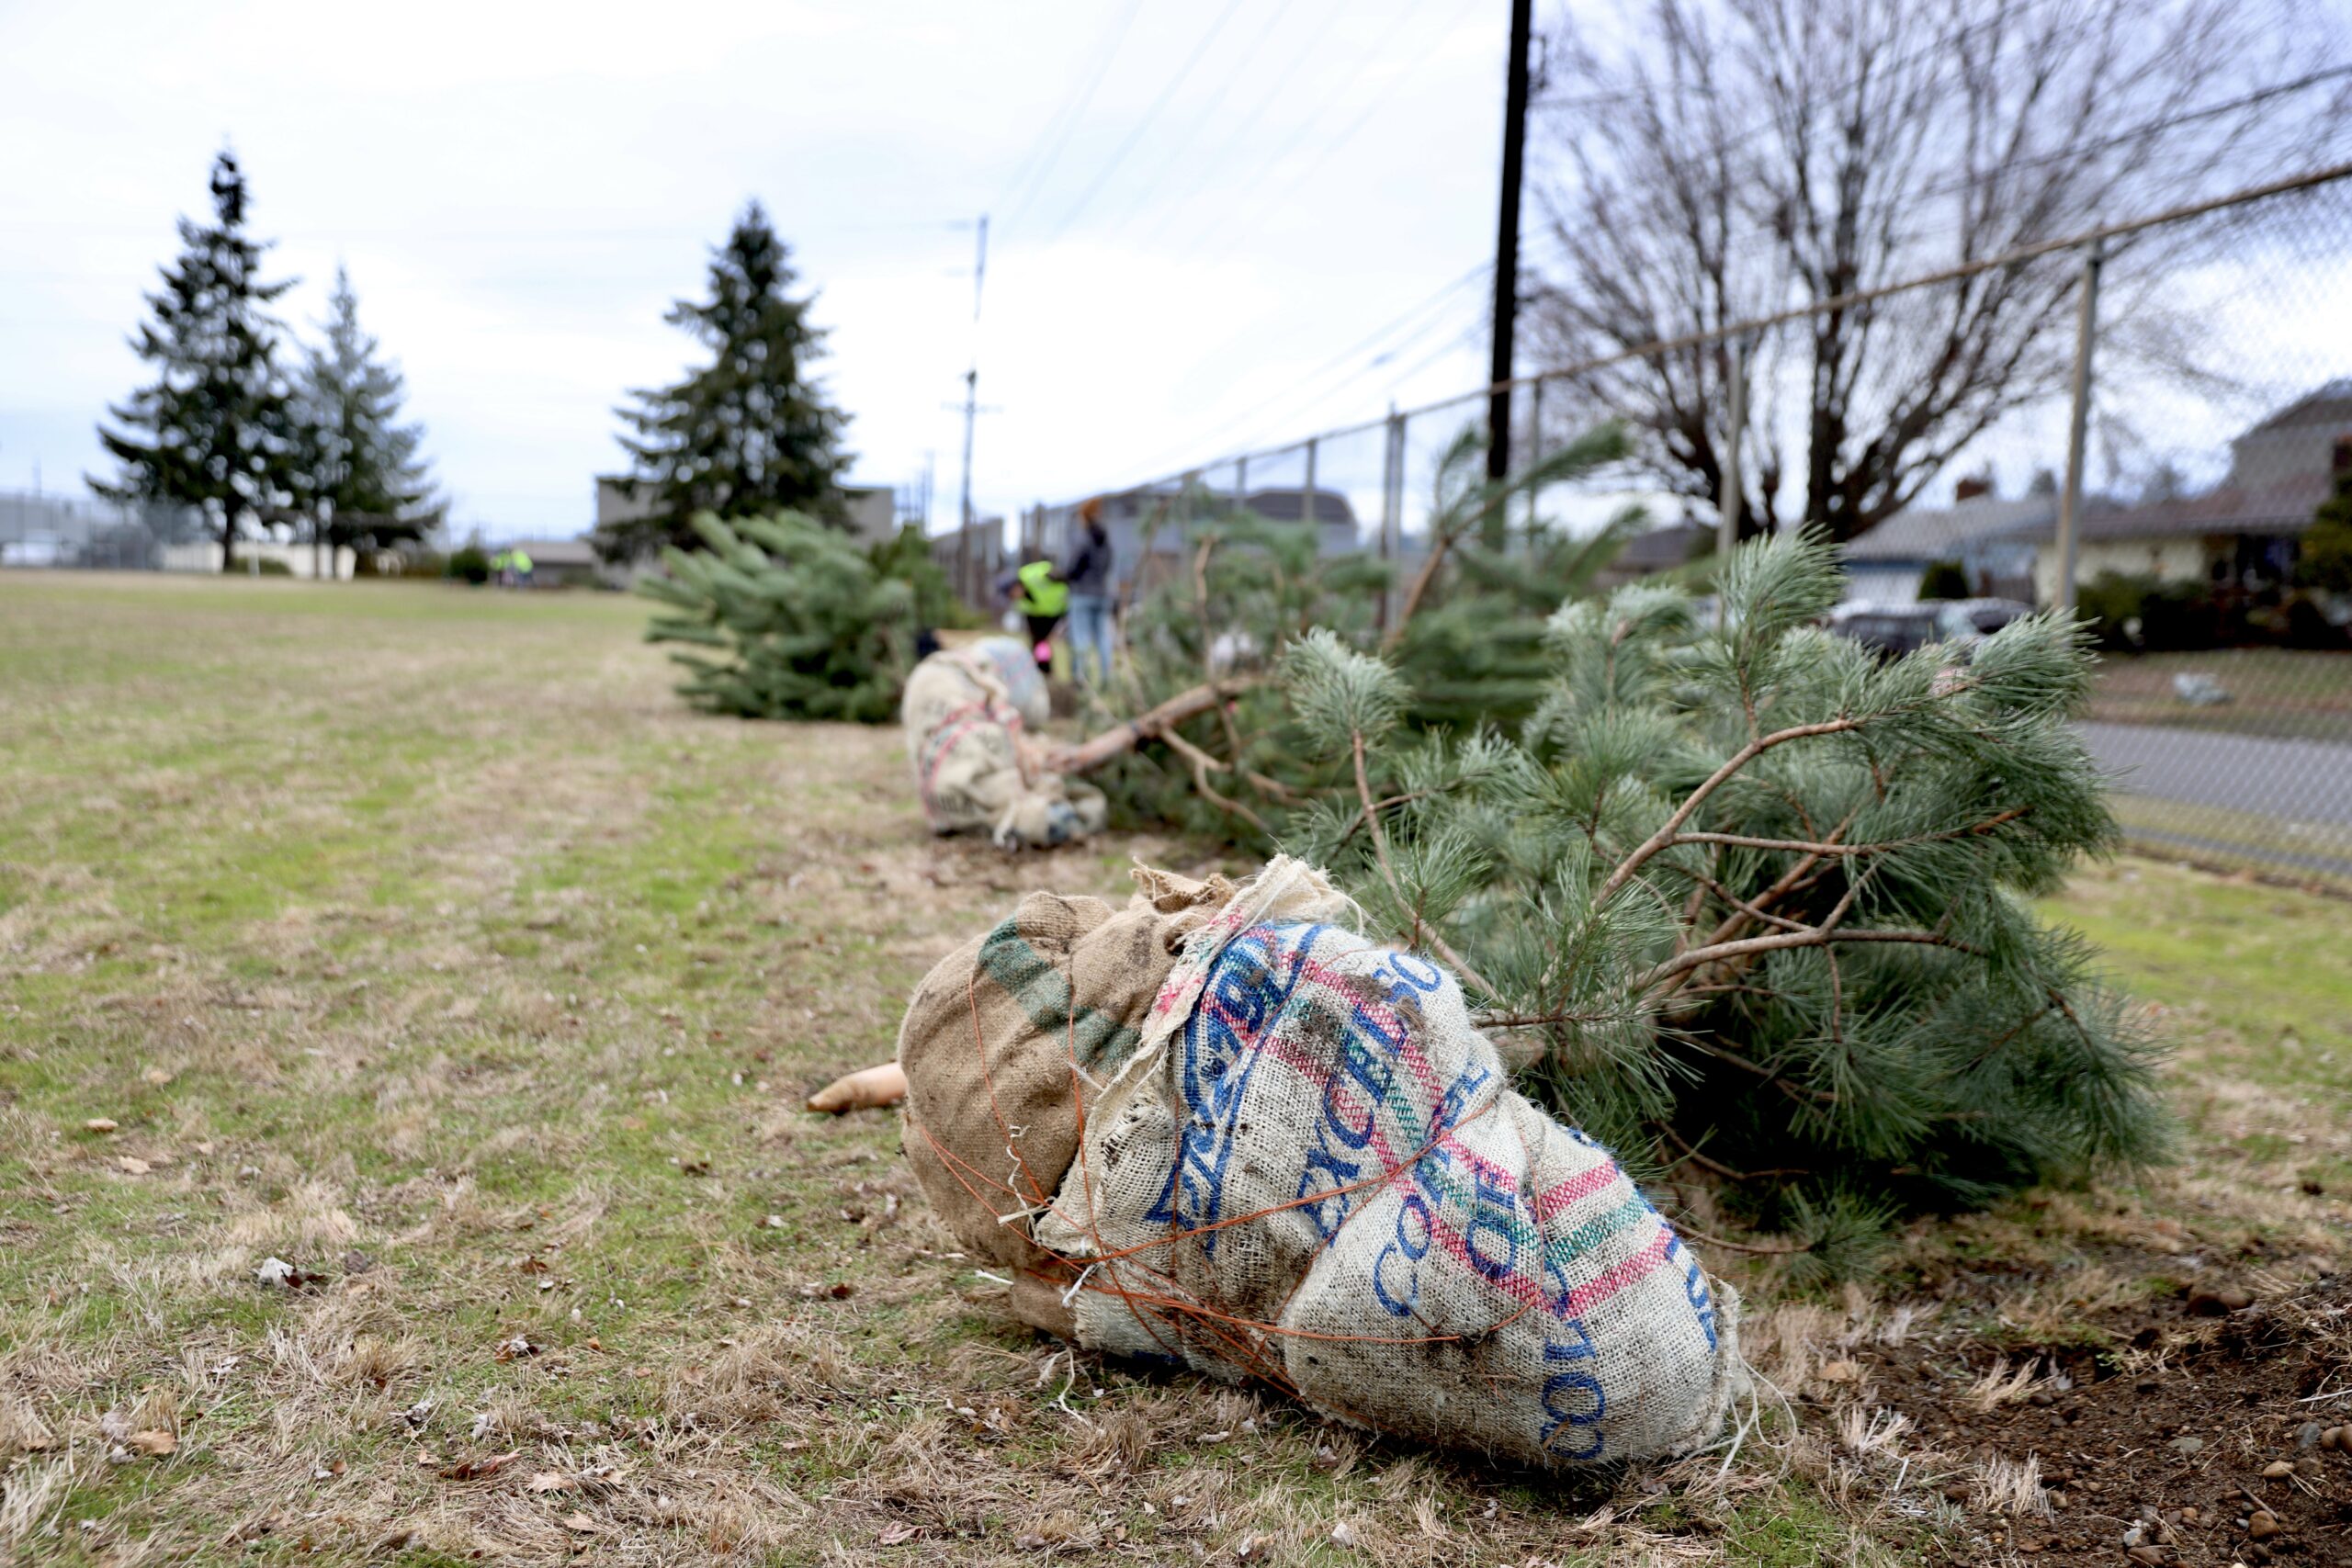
(969, 714)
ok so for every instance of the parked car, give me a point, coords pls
(1894, 630)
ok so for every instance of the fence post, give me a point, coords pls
(1241, 484)
(1733, 499)
(1307, 496)
(2070, 500)
(1534, 454)
(1392, 506)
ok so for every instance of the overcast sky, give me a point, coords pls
(1198, 208)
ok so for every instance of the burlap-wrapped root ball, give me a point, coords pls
(967, 714)
(1219, 1127)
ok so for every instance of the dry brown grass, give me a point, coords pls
(482, 986)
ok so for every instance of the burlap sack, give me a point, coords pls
(1009, 1036)
(966, 711)
(1308, 1168)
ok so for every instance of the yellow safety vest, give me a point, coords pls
(1040, 595)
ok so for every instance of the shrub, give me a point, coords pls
(1944, 580)
(470, 563)
(2146, 615)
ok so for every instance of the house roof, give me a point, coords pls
(1662, 550)
(2328, 405)
(1289, 506)
(2282, 505)
(1925, 534)
(556, 552)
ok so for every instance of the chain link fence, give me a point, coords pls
(70, 533)
(1982, 439)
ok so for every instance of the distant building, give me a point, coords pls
(2241, 534)
(972, 572)
(873, 509)
(299, 560)
(1992, 539)
(561, 563)
(1656, 550)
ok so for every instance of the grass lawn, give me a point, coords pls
(419, 938)
(2273, 690)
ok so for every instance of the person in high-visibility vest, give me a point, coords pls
(1041, 597)
(519, 560)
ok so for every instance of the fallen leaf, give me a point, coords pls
(157, 1076)
(584, 1525)
(897, 1534)
(553, 1480)
(479, 1466)
(1839, 1371)
(98, 1124)
(154, 1444)
(132, 1167)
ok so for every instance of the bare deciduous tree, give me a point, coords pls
(1726, 160)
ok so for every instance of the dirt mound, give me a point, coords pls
(2189, 1432)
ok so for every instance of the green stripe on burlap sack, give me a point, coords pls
(1011, 1033)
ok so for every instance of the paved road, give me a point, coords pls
(2298, 781)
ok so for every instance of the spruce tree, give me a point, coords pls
(218, 422)
(749, 434)
(364, 483)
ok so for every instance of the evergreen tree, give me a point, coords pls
(1759, 903)
(217, 422)
(793, 620)
(1755, 905)
(2324, 558)
(365, 486)
(751, 432)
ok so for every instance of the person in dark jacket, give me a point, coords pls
(1088, 574)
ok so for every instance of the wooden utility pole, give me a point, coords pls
(971, 408)
(2070, 500)
(1497, 526)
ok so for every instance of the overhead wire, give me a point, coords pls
(1275, 14)
(1378, 53)
(1285, 86)
(1047, 151)
(1150, 115)
(1347, 363)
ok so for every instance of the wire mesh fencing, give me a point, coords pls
(2149, 424)
(70, 533)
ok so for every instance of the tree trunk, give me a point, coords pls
(1113, 743)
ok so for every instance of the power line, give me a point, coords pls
(1284, 87)
(1380, 97)
(1273, 20)
(1345, 361)
(1058, 130)
(1150, 115)
(2169, 122)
